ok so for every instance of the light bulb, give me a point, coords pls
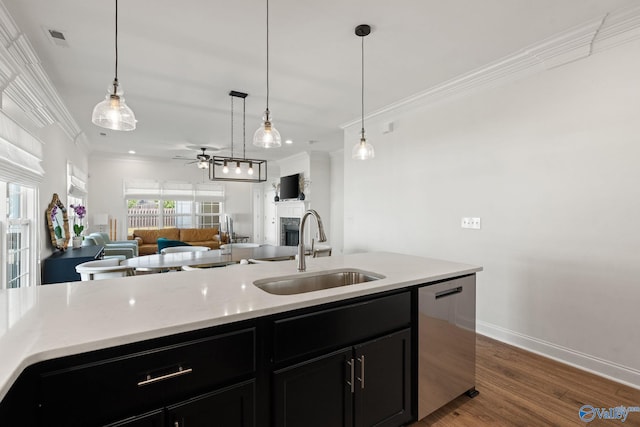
(363, 150)
(225, 168)
(250, 170)
(267, 136)
(113, 113)
(238, 170)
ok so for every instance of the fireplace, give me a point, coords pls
(289, 231)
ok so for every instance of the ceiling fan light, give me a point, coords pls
(203, 164)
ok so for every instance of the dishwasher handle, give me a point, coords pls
(449, 292)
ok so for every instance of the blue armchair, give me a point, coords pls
(102, 239)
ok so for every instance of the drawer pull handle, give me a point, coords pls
(448, 292)
(151, 380)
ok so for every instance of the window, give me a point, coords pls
(20, 219)
(19, 262)
(76, 192)
(147, 214)
(151, 204)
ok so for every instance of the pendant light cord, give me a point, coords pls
(362, 87)
(267, 57)
(116, 73)
(232, 127)
(244, 128)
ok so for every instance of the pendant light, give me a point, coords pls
(113, 113)
(244, 170)
(267, 136)
(363, 150)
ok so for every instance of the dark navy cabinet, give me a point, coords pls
(60, 267)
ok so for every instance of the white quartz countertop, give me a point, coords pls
(45, 322)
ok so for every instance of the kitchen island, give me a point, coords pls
(64, 325)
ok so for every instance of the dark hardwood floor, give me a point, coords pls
(519, 388)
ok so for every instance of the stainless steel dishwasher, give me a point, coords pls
(446, 342)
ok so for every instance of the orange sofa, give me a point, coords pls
(148, 239)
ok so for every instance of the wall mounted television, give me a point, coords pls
(289, 187)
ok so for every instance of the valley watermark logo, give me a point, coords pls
(589, 413)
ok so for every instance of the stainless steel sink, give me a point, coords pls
(309, 282)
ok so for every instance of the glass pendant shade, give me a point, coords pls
(113, 113)
(363, 150)
(203, 164)
(267, 136)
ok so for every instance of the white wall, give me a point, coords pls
(107, 175)
(336, 194)
(320, 189)
(58, 149)
(550, 164)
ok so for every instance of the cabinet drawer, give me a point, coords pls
(105, 390)
(338, 327)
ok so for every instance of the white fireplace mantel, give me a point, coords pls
(289, 209)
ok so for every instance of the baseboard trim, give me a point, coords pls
(604, 368)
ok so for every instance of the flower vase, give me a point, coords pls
(76, 241)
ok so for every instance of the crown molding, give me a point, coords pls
(576, 43)
(23, 79)
(620, 27)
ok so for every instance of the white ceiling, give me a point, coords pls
(179, 59)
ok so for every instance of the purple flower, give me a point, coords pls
(79, 210)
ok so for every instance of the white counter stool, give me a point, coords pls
(103, 269)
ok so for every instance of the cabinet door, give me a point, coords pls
(229, 407)
(383, 381)
(315, 393)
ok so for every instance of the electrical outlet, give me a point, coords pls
(468, 222)
(475, 223)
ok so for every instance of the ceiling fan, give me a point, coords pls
(202, 159)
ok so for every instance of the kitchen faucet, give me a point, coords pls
(302, 266)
